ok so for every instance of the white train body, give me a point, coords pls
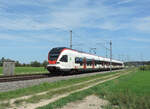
(64, 59)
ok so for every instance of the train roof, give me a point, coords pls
(102, 58)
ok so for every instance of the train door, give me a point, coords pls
(84, 63)
(71, 61)
(64, 61)
(93, 64)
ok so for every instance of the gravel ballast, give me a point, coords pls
(9, 86)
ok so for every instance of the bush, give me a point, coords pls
(35, 64)
(145, 67)
(127, 100)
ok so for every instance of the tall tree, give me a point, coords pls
(45, 63)
(35, 64)
(1, 61)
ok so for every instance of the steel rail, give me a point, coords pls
(23, 77)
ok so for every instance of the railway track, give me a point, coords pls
(29, 77)
(23, 77)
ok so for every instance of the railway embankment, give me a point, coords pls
(24, 83)
(48, 91)
(131, 91)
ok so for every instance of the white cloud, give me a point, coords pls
(140, 39)
(142, 24)
(17, 38)
(125, 1)
(27, 2)
(109, 26)
(75, 14)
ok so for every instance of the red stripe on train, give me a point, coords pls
(52, 62)
(93, 64)
(84, 63)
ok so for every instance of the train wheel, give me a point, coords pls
(72, 72)
(53, 73)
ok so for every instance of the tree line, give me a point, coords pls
(137, 63)
(31, 64)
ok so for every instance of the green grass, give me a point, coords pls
(28, 70)
(4, 105)
(1, 70)
(144, 67)
(50, 94)
(71, 98)
(128, 92)
(137, 83)
(46, 86)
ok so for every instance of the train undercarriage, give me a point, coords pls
(59, 71)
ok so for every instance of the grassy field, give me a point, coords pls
(131, 91)
(1, 70)
(6, 96)
(137, 83)
(47, 86)
(28, 70)
(128, 92)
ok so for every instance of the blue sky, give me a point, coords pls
(30, 28)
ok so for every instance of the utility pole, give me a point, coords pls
(106, 49)
(110, 56)
(71, 39)
(106, 52)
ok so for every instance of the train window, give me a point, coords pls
(53, 57)
(97, 62)
(108, 63)
(89, 62)
(64, 58)
(100, 62)
(105, 63)
(79, 60)
(54, 53)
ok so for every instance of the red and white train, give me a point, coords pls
(63, 59)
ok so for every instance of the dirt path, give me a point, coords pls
(90, 102)
(45, 102)
(57, 97)
(11, 101)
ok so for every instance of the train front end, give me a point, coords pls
(53, 55)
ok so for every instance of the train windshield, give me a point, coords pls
(54, 53)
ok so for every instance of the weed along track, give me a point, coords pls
(44, 98)
(69, 91)
(64, 88)
(27, 81)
